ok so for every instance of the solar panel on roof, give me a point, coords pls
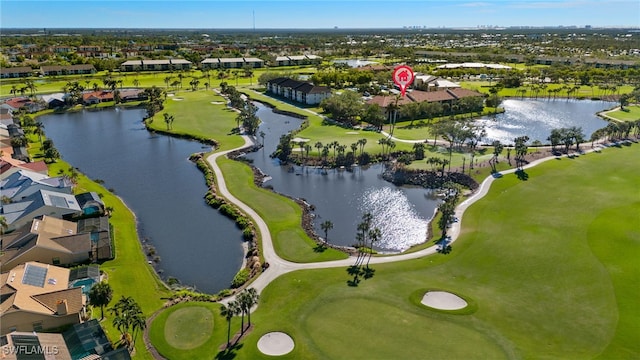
(58, 201)
(34, 275)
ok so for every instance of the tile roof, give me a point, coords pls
(34, 298)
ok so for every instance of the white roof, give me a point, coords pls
(230, 60)
(473, 66)
(282, 58)
(252, 59)
(210, 60)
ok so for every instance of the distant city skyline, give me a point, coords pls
(318, 14)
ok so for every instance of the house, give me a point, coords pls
(19, 345)
(6, 116)
(55, 241)
(448, 96)
(16, 72)
(54, 100)
(22, 183)
(37, 297)
(11, 166)
(43, 202)
(16, 103)
(433, 83)
(299, 91)
(132, 95)
(56, 70)
(96, 97)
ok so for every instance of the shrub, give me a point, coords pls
(241, 277)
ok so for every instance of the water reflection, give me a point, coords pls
(342, 196)
(536, 118)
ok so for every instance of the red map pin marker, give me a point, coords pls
(403, 77)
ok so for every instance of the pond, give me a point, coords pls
(354, 63)
(154, 177)
(537, 117)
(343, 196)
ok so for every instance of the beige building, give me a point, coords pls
(48, 240)
(36, 297)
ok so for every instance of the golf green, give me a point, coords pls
(189, 327)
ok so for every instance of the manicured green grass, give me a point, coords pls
(190, 331)
(583, 91)
(189, 327)
(549, 262)
(630, 113)
(195, 115)
(282, 215)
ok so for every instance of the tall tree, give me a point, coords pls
(128, 318)
(326, 226)
(100, 295)
(228, 312)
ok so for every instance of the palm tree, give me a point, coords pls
(318, 145)
(354, 147)
(326, 226)
(167, 80)
(168, 119)
(247, 299)
(100, 295)
(374, 236)
(128, 318)
(228, 312)
(39, 130)
(307, 149)
(362, 143)
(136, 82)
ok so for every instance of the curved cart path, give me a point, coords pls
(279, 266)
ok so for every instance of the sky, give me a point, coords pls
(310, 14)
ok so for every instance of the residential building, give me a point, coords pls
(96, 97)
(155, 65)
(52, 241)
(231, 63)
(56, 70)
(433, 83)
(300, 91)
(296, 60)
(55, 100)
(20, 184)
(16, 72)
(20, 345)
(16, 103)
(448, 96)
(37, 297)
(43, 202)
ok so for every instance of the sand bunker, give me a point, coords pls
(177, 99)
(217, 103)
(275, 344)
(352, 132)
(443, 300)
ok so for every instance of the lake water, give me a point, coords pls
(355, 63)
(537, 117)
(154, 177)
(342, 196)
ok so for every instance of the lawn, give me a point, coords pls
(630, 113)
(202, 114)
(190, 331)
(550, 263)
